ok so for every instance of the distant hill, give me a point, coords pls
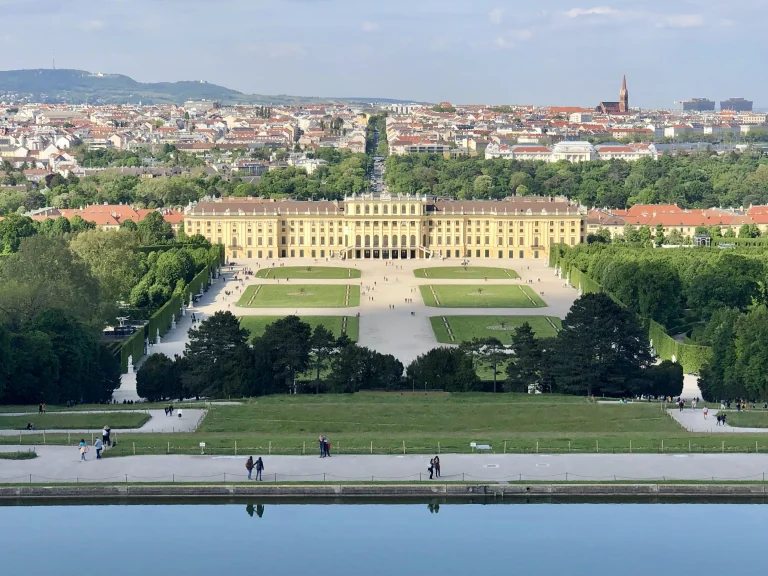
(79, 87)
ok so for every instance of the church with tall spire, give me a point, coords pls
(620, 107)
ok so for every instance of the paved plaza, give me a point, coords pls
(694, 421)
(389, 331)
(62, 464)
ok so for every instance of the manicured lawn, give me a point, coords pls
(257, 324)
(465, 273)
(466, 328)
(749, 419)
(484, 296)
(308, 272)
(56, 421)
(383, 422)
(289, 295)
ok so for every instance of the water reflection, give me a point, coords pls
(258, 509)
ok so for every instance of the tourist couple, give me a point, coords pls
(434, 467)
(325, 446)
(250, 465)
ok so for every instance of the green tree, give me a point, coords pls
(153, 229)
(601, 349)
(13, 229)
(322, 345)
(524, 368)
(46, 274)
(214, 356)
(289, 339)
(112, 258)
(493, 354)
(158, 379)
(749, 231)
(664, 379)
(449, 369)
(659, 240)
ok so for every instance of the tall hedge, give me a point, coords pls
(691, 357)
(132, 346)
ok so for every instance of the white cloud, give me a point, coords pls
(596, 11)
(369, 26)
(495, 15)
(681, 21)
(513, 38)
(93, 25)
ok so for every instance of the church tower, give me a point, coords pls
(624, 97)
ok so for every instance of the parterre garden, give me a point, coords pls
(480, 296)
(290, 295)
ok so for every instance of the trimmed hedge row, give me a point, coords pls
(132, 346)
(691, 357)
(162, 319)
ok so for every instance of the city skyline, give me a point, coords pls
(489, 51)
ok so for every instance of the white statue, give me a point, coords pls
(173, 322)
(130, 364)
(157, 338)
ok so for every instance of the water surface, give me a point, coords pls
(393, 539)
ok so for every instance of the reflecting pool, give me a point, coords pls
(394, 539)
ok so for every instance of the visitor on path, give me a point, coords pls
(681, 404)
(437, 466)
(705, 411)
(322, 446)
(724, 416)
(719, 419)
(83, 449)
(40, 409)
(99, 447)
(431, 468)
(249, 466)
(327, 446)
(259, 468)
(105, 436)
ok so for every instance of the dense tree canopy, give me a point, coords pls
(702, 179)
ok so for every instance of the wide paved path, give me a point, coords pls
(694, 421)
(61, 464)
(158, 422)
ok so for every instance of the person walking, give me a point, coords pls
(437, 466)
(98, 445)
(249, 466)
(83, 449)
(259, 468)
(724, 416)
(321, 442)
(105, 436)
(705, 412)
(431, 468)
(327, 446)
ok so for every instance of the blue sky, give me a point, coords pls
(491, 51)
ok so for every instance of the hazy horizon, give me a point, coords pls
(569, 53)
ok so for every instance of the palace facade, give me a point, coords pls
(370, 226)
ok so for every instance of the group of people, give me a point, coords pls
(169, 410)
(325, 446)
(434, 467)
(721, 419)
(41, 408)
(258, 465)
(105, 440)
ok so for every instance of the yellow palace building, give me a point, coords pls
(370, 226)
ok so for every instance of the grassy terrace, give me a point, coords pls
(55, 421)
(483, 296)
(749, 419)
(257, 324)
(466, 328)
(290, 295)
(384, 422)
(465, 273)
(309, 273)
